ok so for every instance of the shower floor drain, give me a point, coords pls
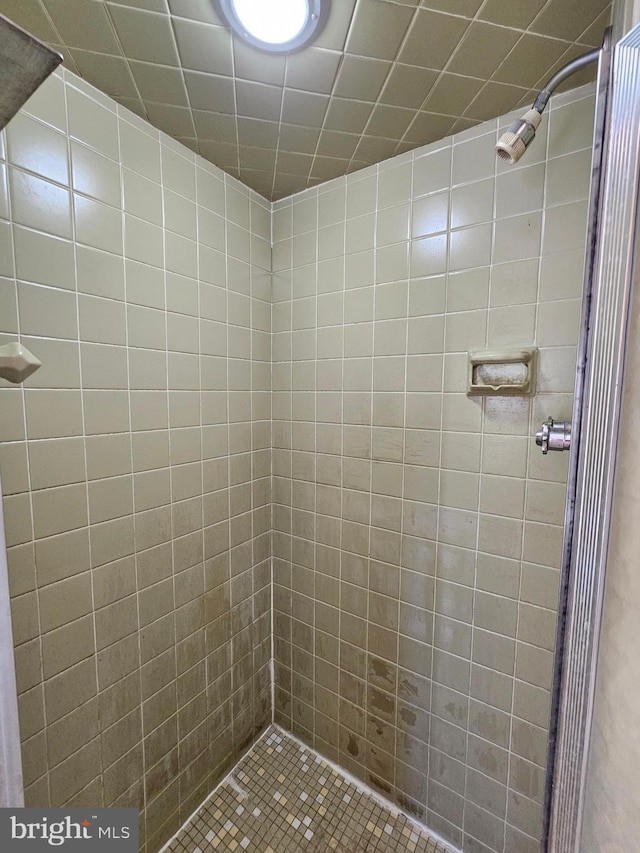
(282, 797)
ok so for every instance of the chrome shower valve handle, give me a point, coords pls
(554, 435)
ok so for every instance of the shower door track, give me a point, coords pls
(611, 241)
(11, 780)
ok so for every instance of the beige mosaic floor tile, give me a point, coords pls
(282, 797)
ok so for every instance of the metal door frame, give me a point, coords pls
(606, 304)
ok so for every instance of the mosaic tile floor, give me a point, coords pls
(282, 797)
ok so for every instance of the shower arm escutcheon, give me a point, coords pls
(554, 435)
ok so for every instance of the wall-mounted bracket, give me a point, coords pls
(502, 372)
(17, 363)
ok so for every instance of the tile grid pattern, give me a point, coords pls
(284, 798)
(135, 478)
(136, 462)
(417, 532)
(384, 77)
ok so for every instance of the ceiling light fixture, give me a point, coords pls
(273, 25)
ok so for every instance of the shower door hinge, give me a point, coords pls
(554, 435)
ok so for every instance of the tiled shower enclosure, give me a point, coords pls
(417, 531)
(136, 462)
(283, 798)
(236, 454)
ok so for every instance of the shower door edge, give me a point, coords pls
(608, 276)
(561, 666)
(11, 780)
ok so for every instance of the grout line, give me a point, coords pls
(352, 780)
(361, 786)
(292, 392)
(23, 400)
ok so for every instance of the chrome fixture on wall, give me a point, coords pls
(554, 435)
(517, 138)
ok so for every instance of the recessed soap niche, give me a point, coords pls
(505, 372)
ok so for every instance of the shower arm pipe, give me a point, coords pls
(542, 98)
(516, 139)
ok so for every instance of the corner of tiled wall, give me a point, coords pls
(417, 531)
(136, 462)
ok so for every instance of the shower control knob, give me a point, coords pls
(554, 435)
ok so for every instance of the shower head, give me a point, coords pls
(515, 141)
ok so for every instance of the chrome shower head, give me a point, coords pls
(515, 141)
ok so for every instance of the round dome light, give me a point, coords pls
(274, 25)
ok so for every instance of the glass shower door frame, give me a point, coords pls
(11, 788)
(610, 248)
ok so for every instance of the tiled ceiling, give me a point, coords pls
(384, 76)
